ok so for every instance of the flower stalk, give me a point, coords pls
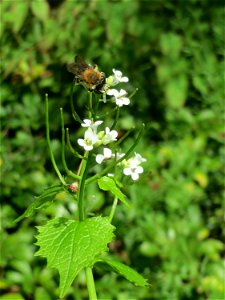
(83, 175)
(49, 142)
(69, 172)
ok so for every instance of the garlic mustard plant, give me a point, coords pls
(76, 244)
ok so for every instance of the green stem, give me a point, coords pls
(72, 150)
(49, 141)
(116, 118)
(90, 284)
(69, 172)
(107, 113)
(134, 92)
(96, 105)
(113, 209)
(83, 175)
(90, 105)
(121, 139)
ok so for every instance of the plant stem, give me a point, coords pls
(113, 209)
(90, 105)
(68, 171)
(72, 150)
(116, 118)
(90, 284)
(49, 141)
(83, 174)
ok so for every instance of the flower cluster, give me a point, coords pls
(94, 138)
(131, 167)
(119, 96)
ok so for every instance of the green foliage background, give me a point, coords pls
(173, 52)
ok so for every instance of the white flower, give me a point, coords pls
(110, 136)
(119, 96)
(90, 139)
(133, 172)
(118, 76)
(112, 92)
(86, 123)
(132, 166)
(90, 124)
(138, 159)
(107, 153)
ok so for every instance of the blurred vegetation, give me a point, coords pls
(173, 52)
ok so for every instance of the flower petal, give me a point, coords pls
(134, 176)
(99, 158)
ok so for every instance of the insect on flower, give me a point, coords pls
(87, 75)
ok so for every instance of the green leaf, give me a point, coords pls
(40, 9)
(171, 44)
(41, 293)
(44, 200)
(70, 245)
(176, 91)
(12, 296)
(19, 10)
(127, 272)
(106, 183)
(115, 24)
(200, 84)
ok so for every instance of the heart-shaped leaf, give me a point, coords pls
(70, 245)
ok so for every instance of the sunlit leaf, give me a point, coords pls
(70, 245)
(20, 9)
(40, 9)
(44, 200)
(127, 272)
(12, 296)
(106, 183)
(176, 91)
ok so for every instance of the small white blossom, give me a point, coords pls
(109, 136)
(107, 153)
(112, 92)
(132, 166)
(90, 124)
(119, 96)
(86, 123)
(138, 159)
(118, 76)
(90, 139)
(133, 172)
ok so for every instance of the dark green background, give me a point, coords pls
(173, 52)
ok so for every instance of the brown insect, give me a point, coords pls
(87, 75)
